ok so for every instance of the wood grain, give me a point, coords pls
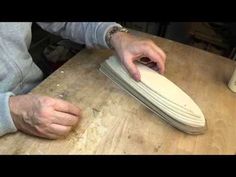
(115, 123)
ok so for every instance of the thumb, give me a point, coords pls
(132, 69)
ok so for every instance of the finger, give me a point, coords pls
(132, 68)
(50, 136)
(65, 119)
(66, 107)
(43, 134)
(154, 56)
(59, 130)
(47, 135)
(158, 50)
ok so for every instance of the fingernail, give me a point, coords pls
(162, 72)
(137, 77)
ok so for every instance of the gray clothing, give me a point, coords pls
(19, 74)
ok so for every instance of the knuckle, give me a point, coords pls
(53, 137)
(148, 42)
(75, 121)
(79, 112)
(144, 44)
(41, 130)
(42, 125)
(67, 107)
(46, 101)
(68, 131)
(147, 48)
(41, 113)
(44, 114)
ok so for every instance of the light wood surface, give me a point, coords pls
(115, 123)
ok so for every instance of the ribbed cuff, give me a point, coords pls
(102, 31)
(6, 123)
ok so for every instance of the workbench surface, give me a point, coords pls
(113, 122)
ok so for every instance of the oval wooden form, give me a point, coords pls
(172, 93)
(160, 95)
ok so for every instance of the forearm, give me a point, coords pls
(92, 34)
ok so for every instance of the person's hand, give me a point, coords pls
(130, 48)
(43, 116)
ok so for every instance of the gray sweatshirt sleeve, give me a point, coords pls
(6, 123)
(92, 34)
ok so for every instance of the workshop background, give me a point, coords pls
(49, 51)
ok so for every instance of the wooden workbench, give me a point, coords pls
(115, 123)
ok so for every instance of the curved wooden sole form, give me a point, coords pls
(176, 115)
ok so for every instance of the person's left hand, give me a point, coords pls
(130, 48)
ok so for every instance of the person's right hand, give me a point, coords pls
(43, 116)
